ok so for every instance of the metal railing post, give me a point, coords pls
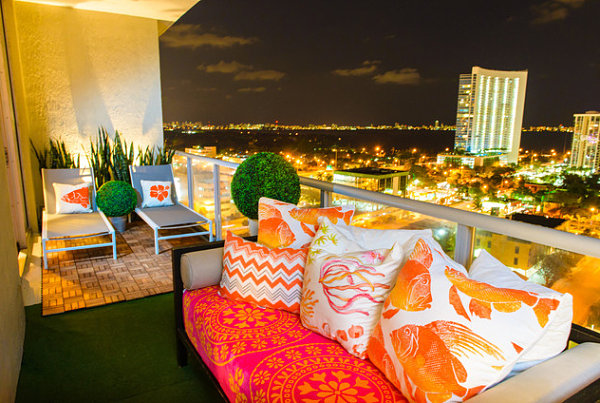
(190, 183)
(326, 198)
(217, 200)
(463, 247)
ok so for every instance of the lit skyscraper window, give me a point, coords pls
(489, 113)
(584, 149)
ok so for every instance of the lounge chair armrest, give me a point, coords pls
(202, 268)
(553, 380)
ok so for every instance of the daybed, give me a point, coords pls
(256, 354)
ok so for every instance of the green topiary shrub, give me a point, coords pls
(264, 175)
(116, 198)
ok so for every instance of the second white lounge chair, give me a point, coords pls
(169, 217)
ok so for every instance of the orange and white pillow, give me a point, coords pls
(488, 269)
(257, 274)
(282, 225)
(443, 336)
(156, 193)
(71, 199)
(344, 287)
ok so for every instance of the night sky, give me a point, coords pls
(386, 61)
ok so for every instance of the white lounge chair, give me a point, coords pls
(57, 227)
(168, 217)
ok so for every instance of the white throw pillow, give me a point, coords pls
(71, 199)
(488, 269)
(443, 336)
(156, 193)
(344, 287)
(371, 238)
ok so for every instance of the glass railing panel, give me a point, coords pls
(379, 216)
(563, 271)
(309, 197)
(204, 201)
(179, 164)
(231, 218)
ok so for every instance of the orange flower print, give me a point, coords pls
(260, 397)
(159, 192)
(336, 389)
(293, 355)
(261, 377)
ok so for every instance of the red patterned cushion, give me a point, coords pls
(262, 276)
(266, 355)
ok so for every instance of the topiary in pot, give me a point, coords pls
(116, 199)
(264, 175)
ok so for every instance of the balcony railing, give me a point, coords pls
(568, 262)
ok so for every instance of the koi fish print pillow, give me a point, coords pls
(262, 276)
(488, 269)
(156, 193)
(72, 199)
(284, 225)
(443, 336)
(343, 293)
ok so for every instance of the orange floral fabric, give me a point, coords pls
(284, 225)
(156, 193)
(266, 355)
(443, 336)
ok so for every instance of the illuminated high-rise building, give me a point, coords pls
(489, 114)
(586, 134)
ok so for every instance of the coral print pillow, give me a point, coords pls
(443, 336)
(343, 293)
(283, 224)
(156, 193)
(72, 198)
(262, 276)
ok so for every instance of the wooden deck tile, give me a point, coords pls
(91, 277)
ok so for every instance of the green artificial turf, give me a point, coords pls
(119, 352)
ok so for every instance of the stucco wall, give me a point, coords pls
(12, 313)
(85, 69)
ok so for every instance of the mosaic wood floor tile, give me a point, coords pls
(90, 277)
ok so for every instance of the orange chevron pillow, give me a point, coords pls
(262, 276)
(285, 225)
(443, 336)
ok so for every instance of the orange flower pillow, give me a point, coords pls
(156, 193)
(282, 225)
(72, 199)
(262, 276)
(445, 337)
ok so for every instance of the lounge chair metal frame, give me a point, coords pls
(139, 173)
(71, 176)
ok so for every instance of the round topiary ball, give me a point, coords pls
(264, 175)
(116, 198)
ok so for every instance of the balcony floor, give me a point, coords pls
(90, 277)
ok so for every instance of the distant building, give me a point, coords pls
(586, 134)
(376, 179)
(471, 161)
(207, 151)
(489, 114)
